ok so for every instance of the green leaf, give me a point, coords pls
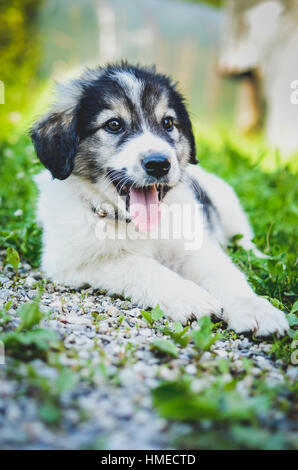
(294, 309)
(50, 413)
(66, 381)
(255, 438)
(13, 258)
(165, 346)
(236, 237)
(8, 305)
(147, 316)
(157, 313)
(181, 338)
(275, 302)
(4, 318)
(293, 334)
(292, 319)
(42, 339)
(177, 327)
(30, 315)
(237, 407)
(203, 337)
(153, 316)
(176, 400)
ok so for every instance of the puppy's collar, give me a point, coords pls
(104, 213)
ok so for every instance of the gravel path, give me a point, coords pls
(106, 344)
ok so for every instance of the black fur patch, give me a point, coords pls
(210, 212)
(87, 164)
(55, 140)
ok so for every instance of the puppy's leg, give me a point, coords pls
(244, 311)
(148, 283)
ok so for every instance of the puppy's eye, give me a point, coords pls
(114, 126)
(168, 123)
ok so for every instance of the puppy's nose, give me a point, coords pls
(156, 165)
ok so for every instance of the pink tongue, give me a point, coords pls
(145, 208)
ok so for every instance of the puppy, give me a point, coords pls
(119, 150)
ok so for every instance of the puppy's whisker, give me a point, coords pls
(124, 183)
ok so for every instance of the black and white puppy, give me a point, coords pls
(119, 150)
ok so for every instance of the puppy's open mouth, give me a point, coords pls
(142, 203)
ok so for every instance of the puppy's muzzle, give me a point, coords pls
(156, 165)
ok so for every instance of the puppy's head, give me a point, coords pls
(125, 124)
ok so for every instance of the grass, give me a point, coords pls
(17, 194)
(228, 419)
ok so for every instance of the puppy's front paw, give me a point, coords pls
(257, 315)
(187, 300)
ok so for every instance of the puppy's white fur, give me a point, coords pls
(152, 272)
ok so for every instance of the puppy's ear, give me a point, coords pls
(55, 140)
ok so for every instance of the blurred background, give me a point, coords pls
(235, 60)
